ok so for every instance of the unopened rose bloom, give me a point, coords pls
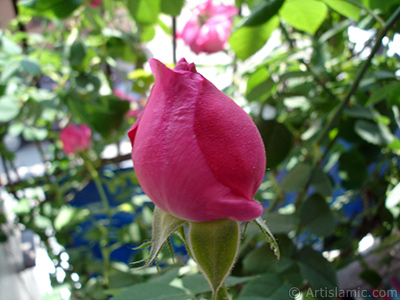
(209, 27)
(196, 153)
(75, 138)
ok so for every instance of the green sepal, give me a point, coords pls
(268, 236)
(214, 246)
(164, 225)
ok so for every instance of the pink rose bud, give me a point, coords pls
(75, 138)
(95, 3)
(209, 27)
(196, 153)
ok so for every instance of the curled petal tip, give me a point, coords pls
(183, 65)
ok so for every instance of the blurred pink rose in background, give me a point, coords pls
(75, 138)
(95, 3)
(196, 153)
(209, 27)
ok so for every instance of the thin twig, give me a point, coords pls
(174, 39)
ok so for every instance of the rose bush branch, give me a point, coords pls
(76, 140)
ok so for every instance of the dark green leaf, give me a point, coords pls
(196, 283)
(278, 141)
(246, 41)
(384, 93)
(112, 110)
(268, 286)
(352, 168)
(319, 273)
(321, 182)
(371, 277)
(49, 8)
(359, 112)
(263, 13)
(77, 53)
(9, 108)
(260, 260)
(316, 216)
(297, 178)
(306, 15)
(151, 291)
(279, 223)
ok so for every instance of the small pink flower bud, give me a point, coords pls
(75, 138)
(209, 27)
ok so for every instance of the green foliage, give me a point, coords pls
(306, 15)
(246, 41)
(49, 8)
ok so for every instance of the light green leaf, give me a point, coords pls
(9, 47)
(377, 134)
(393, 200)
(147, 34)
(306, 15)
(9, 108)
(316, 216)
(345, 8)
(69, 216)
(145, 11)
(257, 85)
(34, 134)
(30, 67)
(246, 41)
(268, 236)
(10, 69)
